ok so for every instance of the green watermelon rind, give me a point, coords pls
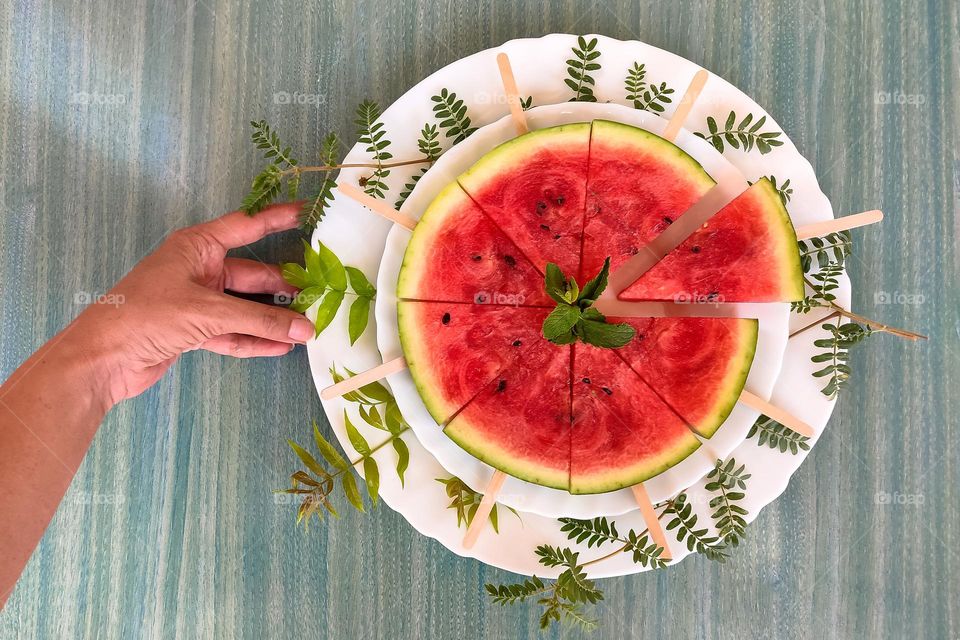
(411, 270)
(627, 135)
(622, 478)
(476, 444)
(788, 253)
(736, 380)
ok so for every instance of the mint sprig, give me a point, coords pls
(575, 318)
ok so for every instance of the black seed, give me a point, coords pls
(634, 251)
(541, 207)
(516, 343)
(477, 258)
(445, 319)
(668, 219)
(560, 201)
(501, 386)
(607, 391)
(556, 236)
(712, 296)
(545, 227)
(510, 260)
(695, 249)
(586, 381)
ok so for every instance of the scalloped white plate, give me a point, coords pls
(359, 237)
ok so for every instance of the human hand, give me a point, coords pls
(173, 301)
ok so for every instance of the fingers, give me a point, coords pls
(233, 315)
(250, 276)
(240, 346)
(237, 229)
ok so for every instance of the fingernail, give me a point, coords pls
(301, 330)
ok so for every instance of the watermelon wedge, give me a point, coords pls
(698, 366)
(520, 421)
(458, 255)
(533, 188)
(622, 432)
(747, 252)
(637, 184)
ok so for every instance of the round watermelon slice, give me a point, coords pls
(746, 252)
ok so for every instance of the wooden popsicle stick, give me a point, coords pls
(487, 502)
(364, 377)
(652, 521)
(686, 104)
(513, 95)
(818, 229)
(379, 207)
(614, 307)
(776, 413)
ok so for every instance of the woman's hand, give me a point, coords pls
(173, 301)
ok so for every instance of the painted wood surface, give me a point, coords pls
(122, 121)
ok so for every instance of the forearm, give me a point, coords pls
(50, 409)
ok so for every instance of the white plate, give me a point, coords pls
(358, 237)
(516, 493)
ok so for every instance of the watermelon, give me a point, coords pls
(698, 366)
(622, 433)
(533, 188)
(520, 421)
(457, 254)
(454, 349)
(746, 252)
(637, 184)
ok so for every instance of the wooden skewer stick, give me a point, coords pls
(379, 207)
(513, 95)
(686, 104)
(364, 377)
(772, 411)
(653, 522)
(818, 229)
(483, 510)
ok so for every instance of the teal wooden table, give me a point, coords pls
(122, 121)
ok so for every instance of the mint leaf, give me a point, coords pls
(560, 321)
(606, 336)
(556, 283)
(593, 288)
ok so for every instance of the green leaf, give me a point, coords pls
(305, 299)
(403, 457)
(314, 267)
(371, 474)
(359, 283)
(607, 336)
(307, 459)
(328, 451)
(350, 489)
(328, 309)
(359, 316)
(356, 438)
(295, 275)
(556, 283)
(594, 287)
(331, 269)
(560, 321)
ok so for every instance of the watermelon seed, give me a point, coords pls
(607, 391)
(445, 319)
(560, 201)
(477, 258)
(695, 249)
(510, 260)
(501, 386)
(556, 237)
(541, 207)
(516, 343)
(668, 219)
(545, 227)
(634, 251)
(586, 381)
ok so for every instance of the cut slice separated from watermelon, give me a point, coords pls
(533, 188)
(638, 184)
(622, 432)
(459, 255)
(698, 366)
(454, 350)
(746, 252)
(520, 421)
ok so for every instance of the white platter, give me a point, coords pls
(360, 239)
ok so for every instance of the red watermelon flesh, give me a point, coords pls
(622, 431)
(638, 183)
(520, 422)
(455, 238)
(533, 188)
(454, 349)
(698, 366)
(747, 252)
